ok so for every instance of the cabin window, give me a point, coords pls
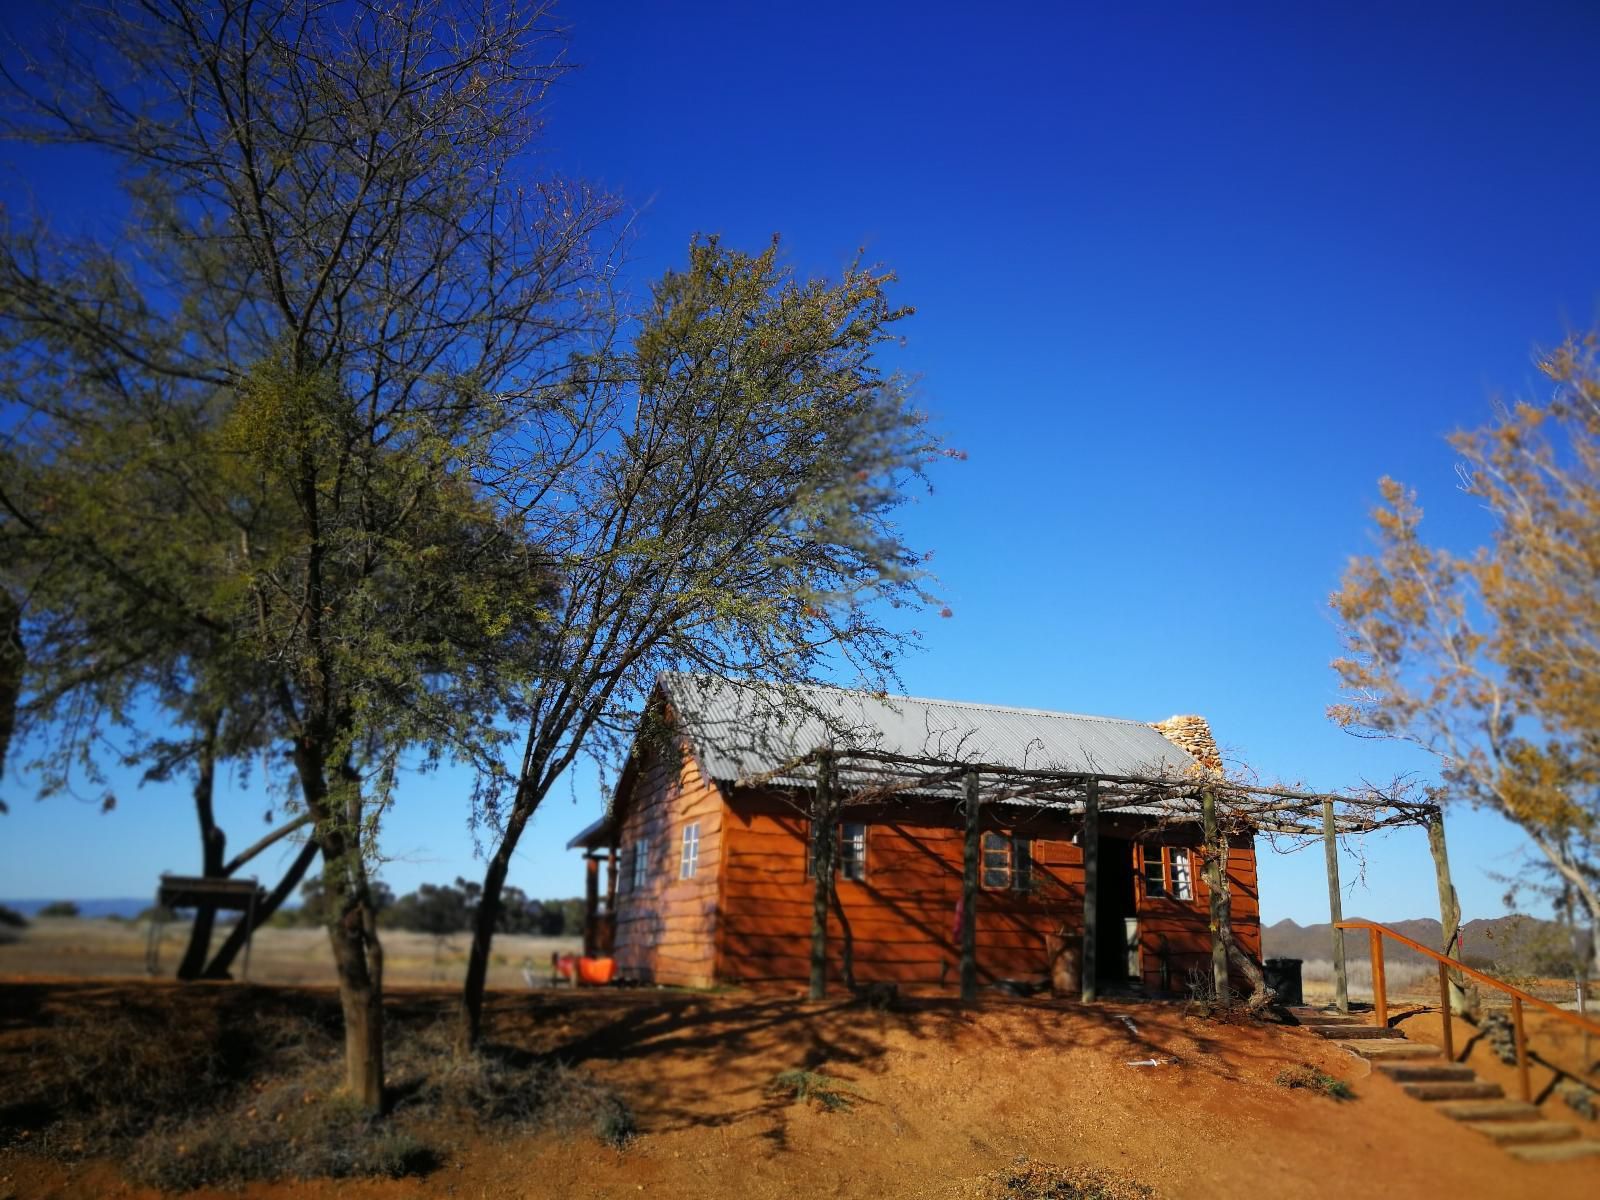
(689, 857)
(853, 852)
(1167, 873)
(849, 855)
(1007, 862)
(641, 863)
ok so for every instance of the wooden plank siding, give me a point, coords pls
(900, 922)
(666, 930)
(745, 916)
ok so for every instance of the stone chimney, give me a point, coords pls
(1191, 734)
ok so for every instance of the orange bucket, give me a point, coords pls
(596, 971)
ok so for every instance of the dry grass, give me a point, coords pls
(1311, 1079)
(1029, 1179)
(216, 1101)
(93, 948)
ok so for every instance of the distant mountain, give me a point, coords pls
(118, 907)
(1484, 940)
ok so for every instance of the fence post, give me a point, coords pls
(1216, 864)
(1380, 1002)
(1522, 1049)
(1341, 976)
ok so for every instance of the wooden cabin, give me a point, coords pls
(708, 848)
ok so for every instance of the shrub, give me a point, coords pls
(500, 1090)
(59, 908)
(12, 919)
(1309, 1077)
(284, 1136)
(211, 1102)
(1580, 1098)
(1027, 1179)
(809, 1085)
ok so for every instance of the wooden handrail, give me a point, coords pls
(1453, 964)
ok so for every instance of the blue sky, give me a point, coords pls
(1187, 283)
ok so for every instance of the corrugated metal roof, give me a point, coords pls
(744, 730)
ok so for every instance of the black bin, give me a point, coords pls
(1283, 977)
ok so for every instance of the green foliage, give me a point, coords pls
(442, 909)
(59, 908)
(801, 1086)
(1310, 1078)
(12, 919)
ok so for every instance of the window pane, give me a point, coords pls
(1022, 863)
(853, 851)
(1155, 879)
(1181, 886)
(689, 860)
(641, 862)
(996, 861)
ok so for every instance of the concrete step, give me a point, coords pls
(1354, 1031)
(1555, 1151)
(1454, 1090)
(1307, 1017)
(1489, 1110)
(1523, 1132)
(1386, 1049)
(1427, 1072)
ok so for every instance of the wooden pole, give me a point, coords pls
(250, 936)
(1522, 1049)
(822, 841)
(1341, 977)
(591, 903)
(1380, 1000)
(969, 894)
(1444, 1014)
(1214, 889)
(1091, 884)
(1449, 907)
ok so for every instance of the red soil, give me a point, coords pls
(942, 1097)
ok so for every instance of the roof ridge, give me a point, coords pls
(944, 701)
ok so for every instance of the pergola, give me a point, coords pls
(839, 778)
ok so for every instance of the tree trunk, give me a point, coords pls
(470, 1030)
(824, 838)
(352, 919)
(359, 959)
(212, 844)
(483, 922)
(12, 661)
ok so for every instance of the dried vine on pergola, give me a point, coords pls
(842, 778)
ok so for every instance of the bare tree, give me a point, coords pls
(718, 496)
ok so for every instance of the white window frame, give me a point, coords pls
(1182, 874)
(689, 851)
(852, 866)
(1175, 871)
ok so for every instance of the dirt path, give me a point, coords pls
(940, 1097)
